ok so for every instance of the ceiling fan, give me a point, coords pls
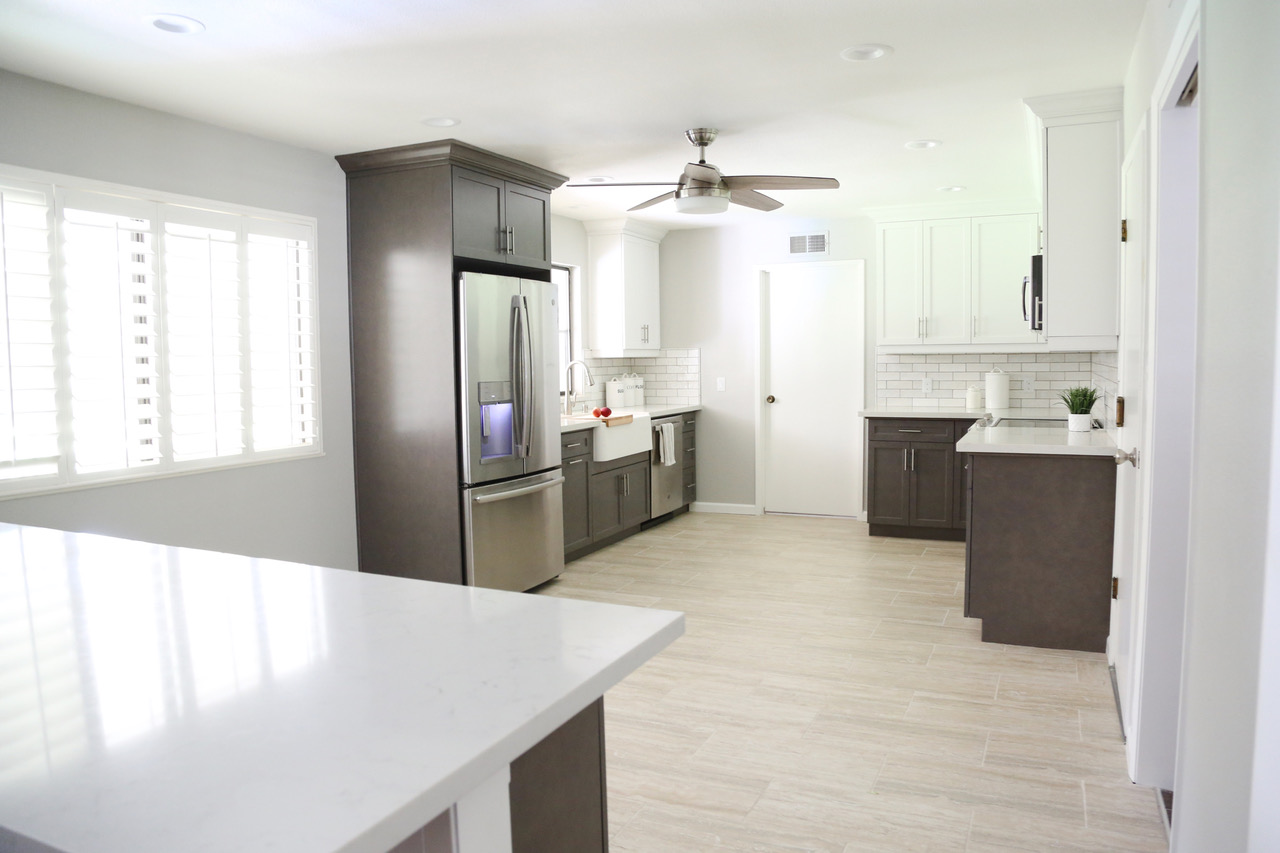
(703, 189)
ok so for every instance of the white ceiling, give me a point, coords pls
(606, 87)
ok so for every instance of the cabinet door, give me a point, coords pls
(900, 281)
(1002, 250)
(640, 274)
(528, 222)
(888, 495)
(605, 495)
(477, 216)
(634, 498)
(577, 504)
(932, 484)
(946, 281)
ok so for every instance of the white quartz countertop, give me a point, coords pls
(576, 423)
(1042, 441)
(951, 414)
(159, 698)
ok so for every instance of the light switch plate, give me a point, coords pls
(719, 383)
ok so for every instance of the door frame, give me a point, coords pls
(762, 354)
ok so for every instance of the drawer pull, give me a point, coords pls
(910, 430)
(690, 449)
(575, 444)
(575, 461)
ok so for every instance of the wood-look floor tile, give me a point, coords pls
(829, 695)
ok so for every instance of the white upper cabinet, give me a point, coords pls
(948, 283)
(901, 281)
(945, 248)
(1000, 297)
(623, 308)
(1081, 137)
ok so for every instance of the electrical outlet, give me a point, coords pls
(926, 385)
(719, 383)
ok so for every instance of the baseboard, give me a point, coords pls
(724, 509)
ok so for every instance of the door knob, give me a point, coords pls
(1130, 457)
(771, 399)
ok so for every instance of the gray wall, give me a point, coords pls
(1228, 723)
(301, 510)
(709, 291)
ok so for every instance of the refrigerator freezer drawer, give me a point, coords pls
(515, 532)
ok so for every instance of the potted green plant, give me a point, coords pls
(1079, 402)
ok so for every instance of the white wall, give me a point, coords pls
(709, 302)
(301, 510)
(1221, 732)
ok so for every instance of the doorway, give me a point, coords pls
(812, 328)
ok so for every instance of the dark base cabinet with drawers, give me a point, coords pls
(605, 502)
(915, 478)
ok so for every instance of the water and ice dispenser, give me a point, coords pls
(497, 435)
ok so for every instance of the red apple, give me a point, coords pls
(606, 411)
(595, 413)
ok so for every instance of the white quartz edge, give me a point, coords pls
(1040, 441)
(574, 424)
(386, 789)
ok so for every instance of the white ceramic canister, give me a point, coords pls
(637, 390)
(997, 389)
(629, 389)
(615, 395)
(973, 398)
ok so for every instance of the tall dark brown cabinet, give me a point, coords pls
(416, 217)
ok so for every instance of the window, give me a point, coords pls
(562, 278)
(142, 334)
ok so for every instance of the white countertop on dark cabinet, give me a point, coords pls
(160, 698)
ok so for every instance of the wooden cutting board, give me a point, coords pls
(612, 420)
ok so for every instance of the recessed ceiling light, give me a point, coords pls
(865, 52)
(950, 189)
(442, 121)
(599, 179)
(170, 23)
(920, 144)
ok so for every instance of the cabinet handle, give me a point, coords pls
(919, 327)
(511, 239)
(910, 430)
(626, 485)
(904, 459)
(575, 444)
(973, 333)
(690, 449)
(575, 461)
(913, 459)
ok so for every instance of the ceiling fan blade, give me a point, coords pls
(702, 172)
(779, 182)
(651, 202)
(648, 184)
(754, 200)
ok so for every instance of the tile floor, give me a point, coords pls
(829, 695)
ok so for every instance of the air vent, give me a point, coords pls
(811, 244)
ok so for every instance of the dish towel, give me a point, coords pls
(667, 443)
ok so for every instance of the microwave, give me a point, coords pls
(1033, 286)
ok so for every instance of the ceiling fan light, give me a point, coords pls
(702, 200)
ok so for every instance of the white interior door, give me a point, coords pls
(1132, 482)
(813, 370)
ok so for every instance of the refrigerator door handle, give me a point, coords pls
(517, 374)
(516, 493)
(526, 377)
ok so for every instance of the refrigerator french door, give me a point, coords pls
(512, 488)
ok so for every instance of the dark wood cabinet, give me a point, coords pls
(499, 220)
(410, 226)
(1039, 549)
(575, 453)
(558, 800)
(888, 482)
(619, 496)
(914, 480)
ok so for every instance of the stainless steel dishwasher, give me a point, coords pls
(666, 475)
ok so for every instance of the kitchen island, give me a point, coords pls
(1039, 543)
(161, 698)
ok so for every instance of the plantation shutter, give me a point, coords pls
(28, 389)
(282, 334)
(109, 267)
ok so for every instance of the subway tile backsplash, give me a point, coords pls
(1034, 378)
(673, 377)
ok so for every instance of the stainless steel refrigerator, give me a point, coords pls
(511, 489)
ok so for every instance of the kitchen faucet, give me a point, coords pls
(568, 382)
